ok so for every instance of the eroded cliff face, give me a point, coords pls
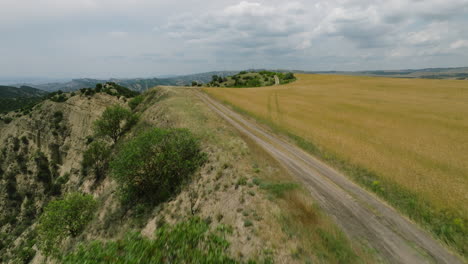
(40, 158)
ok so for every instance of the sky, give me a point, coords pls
(144, 38)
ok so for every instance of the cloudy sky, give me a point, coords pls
(142, 38)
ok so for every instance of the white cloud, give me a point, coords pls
(197, 35)
(459, 44)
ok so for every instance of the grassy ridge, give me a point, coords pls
(310, 234)
(447, 220)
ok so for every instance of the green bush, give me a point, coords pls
(135, 101)
(63, 218)
(58, 97)
(98, 87)
(7, 120)
(96, 158)
(289, 76)
(44, 174)
(58, 117)
(152, 166)
(115, 121)
(114, 89)
(186, 242)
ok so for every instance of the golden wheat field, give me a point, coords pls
(413, 132)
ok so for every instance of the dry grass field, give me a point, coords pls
(409, 135)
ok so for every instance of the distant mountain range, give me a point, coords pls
(142, 84)
(136, 84)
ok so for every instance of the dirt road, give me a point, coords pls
(277, 81)
(361, 215)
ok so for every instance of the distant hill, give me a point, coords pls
(23, 91)
(12, 98)
(142, 84)
(136, 84)
(460, 73)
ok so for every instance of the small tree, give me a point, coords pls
(63, 218)
(98, 87)
(115, 121)
(152, 166)
(194, 83)
(96, 158)
(289, 76)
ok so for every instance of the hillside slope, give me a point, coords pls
(240, 190)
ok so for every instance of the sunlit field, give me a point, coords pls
(409, 135)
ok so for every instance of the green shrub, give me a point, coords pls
(115, 121)
(63, 218)
(96, 158)
(7, 120)
(24, 140)
(135, 101)
(114, 89)
(44, 174)
(58, 97)
(58, 117)
(98, 87)
(186, 242)
(152, 166)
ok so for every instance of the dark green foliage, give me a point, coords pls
(115, 121)
(23, 91)
(7, 120)
(186, 242)
(89, 140)
(289, 76)
(10, 186)
(135, 101)
(22, 253)
(153, 166)
(96, 158)
(58, 97)
(58, 117)
(114, 89)
(251, 79)
(24, 140)
(24, 98)
(194, 83)
(98, 87)
(87, 91)
(29, 211)
(44, 174)
(63, 218)
(56, 156)
(16, 144)
(253, 83)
